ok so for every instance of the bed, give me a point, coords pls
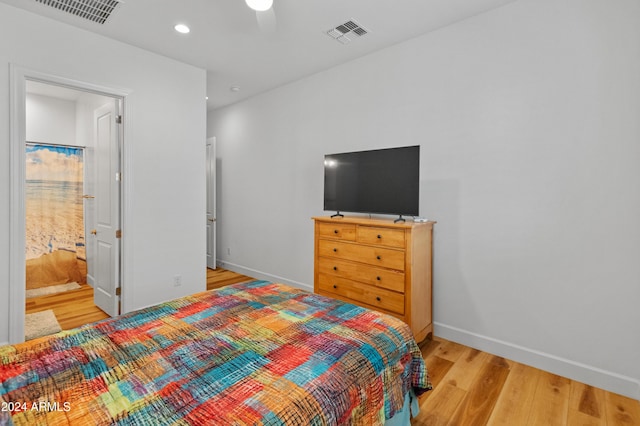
(251, 353)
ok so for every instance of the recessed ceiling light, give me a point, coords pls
(234, 88)
(182, 28)
(259, 5)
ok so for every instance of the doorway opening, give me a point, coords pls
(67, 140)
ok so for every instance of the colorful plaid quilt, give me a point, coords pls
(257, 353)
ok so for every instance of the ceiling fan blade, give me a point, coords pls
(267, 21)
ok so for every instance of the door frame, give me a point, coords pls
(18, 77)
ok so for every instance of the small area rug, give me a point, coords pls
(40, 324)
(52, 289)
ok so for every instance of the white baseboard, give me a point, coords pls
(262, 275)
(610, 381)
(4, 343)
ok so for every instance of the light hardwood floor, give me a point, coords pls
(470, 387)
(477, 388)
(72, 308)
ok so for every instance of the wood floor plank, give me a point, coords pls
(551, 401)
(577, 418)
(587, 400)
(621, 411)
(476, 408)
(428, 347)
(441, 405)
(450, 350)
(516, 399)
(219, 277)
(438, 369)
(465, 370)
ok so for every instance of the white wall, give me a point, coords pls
(50, 120)
(86, 105)
(164, 224)
(528, 121)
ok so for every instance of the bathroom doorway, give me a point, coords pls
(67, 192)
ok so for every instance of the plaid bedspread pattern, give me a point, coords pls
(246, 354)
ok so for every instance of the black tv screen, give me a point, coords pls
(383, 181)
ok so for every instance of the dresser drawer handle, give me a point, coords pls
(379, 236)
(378, 298)
(378, 257)
(378, 278)
(335, 286)
(335, 250)
(335, 268)
(335, 231)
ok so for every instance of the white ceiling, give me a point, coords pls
(226, 40)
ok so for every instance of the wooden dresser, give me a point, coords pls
(377, 264)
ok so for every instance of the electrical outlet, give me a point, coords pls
(177, 280)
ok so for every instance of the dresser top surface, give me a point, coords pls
(372, 221)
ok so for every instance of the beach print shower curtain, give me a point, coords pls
(55, 248)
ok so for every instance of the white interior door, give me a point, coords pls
(107, 205)
(90, 213)
(211, 203)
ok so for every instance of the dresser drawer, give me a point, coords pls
(382, 236)
(379, 277)
(343, 231)
(362, 293)
(376, 256)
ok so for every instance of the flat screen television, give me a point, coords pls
(382, 181)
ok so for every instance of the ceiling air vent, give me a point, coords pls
(93, 10)
(346, 32)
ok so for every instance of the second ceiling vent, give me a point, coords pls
(346, 32)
